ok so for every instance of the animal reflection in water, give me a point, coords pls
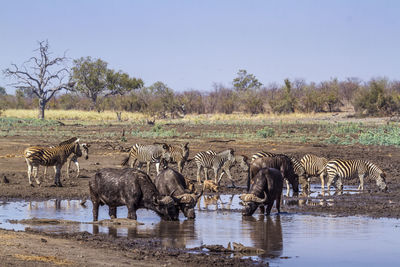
(172, 234)
(215, 202)
(266, 233)
(55, 204)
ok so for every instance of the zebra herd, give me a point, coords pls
(332, 171)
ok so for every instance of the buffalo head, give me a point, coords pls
(167, 207)
(187, 202)
(251, 202)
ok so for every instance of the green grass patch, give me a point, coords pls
(266, 132)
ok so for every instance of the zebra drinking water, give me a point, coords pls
(339, 169)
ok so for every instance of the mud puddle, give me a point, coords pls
(286, 239)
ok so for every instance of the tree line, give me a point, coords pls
(46, 83)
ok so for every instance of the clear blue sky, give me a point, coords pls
(192, 44)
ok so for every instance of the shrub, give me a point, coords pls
(266, 132)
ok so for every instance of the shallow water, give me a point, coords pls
(288, 239)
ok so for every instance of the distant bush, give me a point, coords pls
(266, 132)
(375, 100)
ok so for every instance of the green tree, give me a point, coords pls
(374, 99)
(41, 75)
(247, 88)
(245, 81)
(93, 79)
(285, 103)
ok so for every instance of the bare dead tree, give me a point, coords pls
(41, 75)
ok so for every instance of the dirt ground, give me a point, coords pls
(31, 248)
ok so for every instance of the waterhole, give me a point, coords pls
(286, 239)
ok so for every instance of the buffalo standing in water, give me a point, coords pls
(267, 187)
(171, 182)
(132, 188)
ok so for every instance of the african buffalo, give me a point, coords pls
(171, 182)
(280, 162)
(130, 187)
(266, 188)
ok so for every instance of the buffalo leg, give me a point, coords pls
(278, 203)
(132, 213)
(95, 210)
(269, 207)
(112, 211)
(262, 209)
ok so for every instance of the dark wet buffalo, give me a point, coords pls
(266, 188)
(171, 182)
(282, 163)
(132, 188)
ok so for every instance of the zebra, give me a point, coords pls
(179, 154)
(242, 160)
(314, 166)
(297, 167)
(208, 160)
(46, 156)
(148, 154)
(339, 169)
(73, 158)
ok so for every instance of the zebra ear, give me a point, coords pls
(77, 140)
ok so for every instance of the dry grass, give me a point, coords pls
(77, 115)
(93, 117)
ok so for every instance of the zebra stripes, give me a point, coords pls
(73, 158)
(339, 169)
(314, 166)
(179, 154)
(50, 156)
(148, 154)
(209, 160)
(242, 160)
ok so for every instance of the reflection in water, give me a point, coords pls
(176, 234)
(214, 202)
(305, 239)
(266, 233)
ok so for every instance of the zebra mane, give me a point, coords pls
(69, 141)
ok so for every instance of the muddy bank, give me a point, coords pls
(32, 248)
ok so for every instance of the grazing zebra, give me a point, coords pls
(209, 160)
(314, 166)
(179, 154)
(54, 156)
(339, 169)
(297, 167)
(148, 154)
(73, 158)
(242, 160)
